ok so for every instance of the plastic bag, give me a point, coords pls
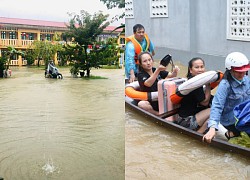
(242, 116)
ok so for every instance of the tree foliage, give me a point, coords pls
(111, 52)
(83, 30)
(114, 3)
(11, 51)
(6, 59)
(3, 60)
(45, 50)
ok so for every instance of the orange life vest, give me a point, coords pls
(137, 46)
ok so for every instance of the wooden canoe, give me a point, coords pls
(160, 120)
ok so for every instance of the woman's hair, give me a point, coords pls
(140, 56)
(190, 65)
(228, 76)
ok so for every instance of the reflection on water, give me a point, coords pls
(155, 152)
(61, 129)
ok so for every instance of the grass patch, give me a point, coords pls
(94, 77)
(110, 67)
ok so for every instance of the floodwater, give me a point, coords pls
(62, 129)
(155, 152)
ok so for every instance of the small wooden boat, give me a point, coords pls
(166, 120)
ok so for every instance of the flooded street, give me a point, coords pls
(155, 152)
(62, 129)
(80, 129)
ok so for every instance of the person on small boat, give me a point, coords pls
(233, 89)
(148, 78)
(195, 107)
(135, 44)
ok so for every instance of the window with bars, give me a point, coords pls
(48, 37)
(3, 35)
(12, 35)
(122, 40)
(238, 20)
(158, 8)
(129, 9)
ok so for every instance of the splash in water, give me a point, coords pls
(49, 167)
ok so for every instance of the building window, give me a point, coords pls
(41, 37)
(13, 57)
(31, 36)
(238, 20)
(129, 9)
(12, 35)
(24, 36)
(48, 37)
(122, 40)
(3, 35)
(158, 8)
(3, 52)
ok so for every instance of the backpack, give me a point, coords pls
(242, 116)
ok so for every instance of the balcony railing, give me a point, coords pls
(21, 43)
(13, 62)
(26, 43)
(15, 43)
(8, 42)
(24, 62)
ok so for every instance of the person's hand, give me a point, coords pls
(161, 68)
(176, 69)
(153, 53)
(209, 135)
(132, 78)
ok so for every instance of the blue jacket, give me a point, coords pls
(226, 98)
(130, 54)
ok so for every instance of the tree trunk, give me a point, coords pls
(88, 72)
(8, 65)
(1, 73)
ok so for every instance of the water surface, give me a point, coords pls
(61, 129)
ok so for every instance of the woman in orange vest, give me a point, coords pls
(135, 44)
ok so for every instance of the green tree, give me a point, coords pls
(114, 3)
(30, 56)
(11, 51)
(110, 52)
(83, 30)
(45, 50)
(3, 61)
(6, 59)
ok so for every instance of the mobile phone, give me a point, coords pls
(166, 60)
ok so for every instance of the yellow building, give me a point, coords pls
(21, 33)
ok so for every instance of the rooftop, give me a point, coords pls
(32, 22)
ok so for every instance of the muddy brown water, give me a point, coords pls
(62, 129)
(80, 129)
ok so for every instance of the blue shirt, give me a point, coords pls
(226, 98)
(130, 54)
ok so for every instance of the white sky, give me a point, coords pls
(53, 10)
